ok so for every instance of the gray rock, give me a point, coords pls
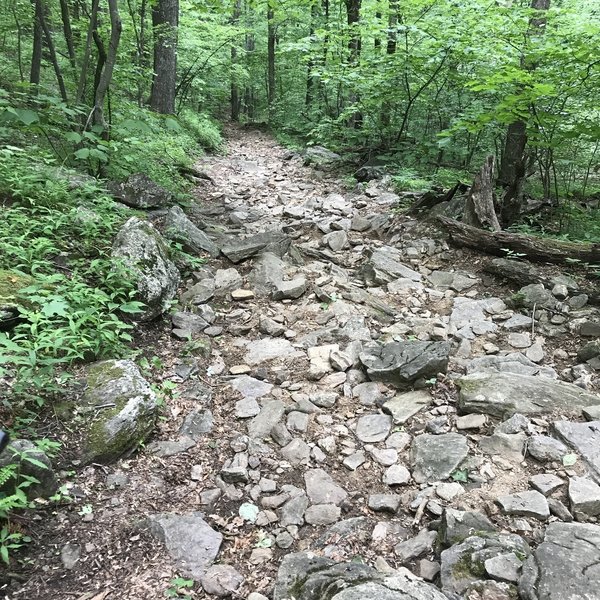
(565, 566)
(545, 448)
(514, 424)
(360, 224)
(270, 414)
(537, 295)
(385, 265)
(396, 475)
(290, 289)
(464, 564)
(322, 489)
(384, 502)
(368, 393)
(322, 514)
(456, 526)
(355, 460)
(221, 580)
(415, 547)
(514, 362)
(558, 509)
(166, 448)
(263, 350)
(249, 387)
(469, 319)
(69, 555)
(403, 363)
(238, 249)
(504, 567)
(270, 327)
(592, 413)
(435, 457)
(268, 270)
(336, 240)
(589, 351)
(584, 496)
(297, 452)
(518, 322)
(187, 325)
(318, 156)
(226, 281)
(402, 407)
(447, 280)
(589, 329)
(144, 253)
(197, 424)
(585, 438)
(373, 428)
(199, 293)
(292, 512)
(471, 422)
(120, 411)
(139, 191)
(509, 446)
(189, 540)
(546, 483)
(525, 504)
(502, 395)
(305, 576)
(193, 240)
(44, 483)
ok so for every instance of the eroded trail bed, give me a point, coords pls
(354, 389)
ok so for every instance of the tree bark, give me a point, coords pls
(52, 51)
(36, 52)
(235, 91)
(479, 207)
(111, 59)
(68, 33)
(87, 51)
(537, 249)
(354, 48)
(165, 20)
(270, 56)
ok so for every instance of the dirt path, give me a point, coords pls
(291, 423)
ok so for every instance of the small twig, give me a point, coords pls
(420, 510)
(533, 320)
(107, 405)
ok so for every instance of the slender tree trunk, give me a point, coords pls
(36, 52)
(165, 21)
(52, 51)
(68, 33)
(111, 59)
(235, 91)
(270, 57)
(354, 47)
(512, 170)
(86, 54)
(310, 80)
(19, 52)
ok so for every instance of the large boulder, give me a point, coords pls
(504, 394)
(305, 576)
(30, 462)
(402, 363)
(384, 266)
(565, 566)
(145, 253)
(119, 411)
(139, 191)
(320, 157)
(180, 229)
(239, 249)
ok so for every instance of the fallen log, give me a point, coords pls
(501, 243)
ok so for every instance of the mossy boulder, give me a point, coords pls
(11, 283)
(144, 251)
(118, 409)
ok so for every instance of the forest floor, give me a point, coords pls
(287, 426)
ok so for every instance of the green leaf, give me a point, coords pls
(82, 154)
(55, 307)
(27, 116)
(569, 460)
(461, 475)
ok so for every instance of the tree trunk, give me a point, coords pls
(68, 33)
(87, 51)
(165, 20)
(111, 59)
(354, 47)
(479, 208)
(235, 91)
(537, 249)
(270, 57)
(512, 172)
(36, 52)
(52, 51)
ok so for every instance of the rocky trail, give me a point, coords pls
(354, 410)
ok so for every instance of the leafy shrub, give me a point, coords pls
(203, 129)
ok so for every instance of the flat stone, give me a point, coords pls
(525, 504)
(402, 363)
(435, 457)
(546, 483)
(504, 567)
(584, 496)
(402, 407)
(336, 240)
(384, 502)
(517, 322)
(297, 452)
(509, 446)
(322, 514)
(246, 408)
(322, 489)
(503, 394)
(471, 422)
(221, 580)
(239, 249)
(355, 460)
(271, 413)
(166, 448)
(368, 393)
(189, 540)
(384, 456)
(319, 360)
(290, 290)
(565, 566)
(226, 280)
(249, 387)
(266, 349)
(373, 428)
(415, 547)
(292, 512)
(449, 491)
(457, 525)
(585, 439)
(519, 340)
(384, 266)
(241, 295)
(592, 413)
(399, 440)
(545, 448)
(396, 475)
